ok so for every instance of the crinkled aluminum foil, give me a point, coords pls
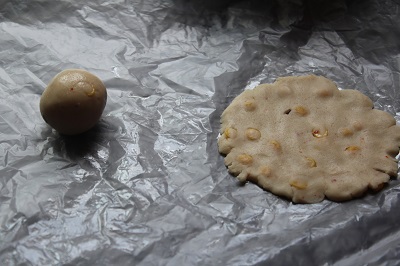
(147, 185)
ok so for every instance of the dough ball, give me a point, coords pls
(73, 101)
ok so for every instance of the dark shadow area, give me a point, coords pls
(361, 24)
(299, 13)
(201, 5)
(79, 146)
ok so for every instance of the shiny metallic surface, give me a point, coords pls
(147, 185)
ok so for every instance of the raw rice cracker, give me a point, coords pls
(304, 139)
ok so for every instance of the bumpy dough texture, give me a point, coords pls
(73, 101)
(304, 139)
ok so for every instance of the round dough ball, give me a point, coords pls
(73, 101)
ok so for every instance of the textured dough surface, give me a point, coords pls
(304, 139)
(73, 101)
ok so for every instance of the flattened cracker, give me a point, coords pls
(304, 139)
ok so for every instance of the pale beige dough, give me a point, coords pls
(304, 139)
(73, 101)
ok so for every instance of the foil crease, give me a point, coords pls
(147, 185)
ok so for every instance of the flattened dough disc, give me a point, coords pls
(304, 139)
